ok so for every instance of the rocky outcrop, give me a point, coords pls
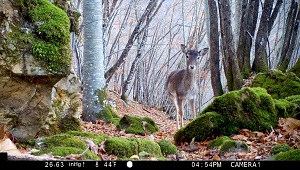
(34, 56)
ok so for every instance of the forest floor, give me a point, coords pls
(260, 143)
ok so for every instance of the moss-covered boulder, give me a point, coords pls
(64, 145)
(285, 108)
(201, 128)
(125, 148)
(250, 108)
(167, 147)
(278, 84)
(280, 148)
(35, 54)
(137, 125)
(217, 142)
(233, 146)
(291, 155)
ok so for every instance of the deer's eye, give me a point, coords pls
(187, 56)
(198, 58)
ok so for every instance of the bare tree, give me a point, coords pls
(214, 49)
(137, 30)
(232, 71)
(290, 36)
(246, 35)
(260, 63)
(93, 72)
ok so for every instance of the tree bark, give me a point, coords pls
(247, 29)
(232, 71)
(268, 17)
(93, 70)
(290, 36)
(214, 49)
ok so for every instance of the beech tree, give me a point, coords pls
(93, 70)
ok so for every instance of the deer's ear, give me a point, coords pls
(183, 48)
(203, 51)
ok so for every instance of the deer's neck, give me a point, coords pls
(189, 79)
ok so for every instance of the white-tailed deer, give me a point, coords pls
(181, 84)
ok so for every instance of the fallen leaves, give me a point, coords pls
(260, 144)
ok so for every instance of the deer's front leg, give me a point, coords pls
(192, 108)
(180, 110)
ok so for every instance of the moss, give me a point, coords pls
(291, 155)
(63, 145)
(121, 147)
(69, 123)
(278, 84)
(102, 95)
(124, 148)
(280, 148)
(167, 147)
(65, 151)
(96, 138)
(233, 146)
(63, 140)
(146, 145)
(136, 125)
(107, 114)
(250, 108)
(285, 108)
(296, 68)
(294, 99)
(52, 36)
(217, 142)
(211, 123)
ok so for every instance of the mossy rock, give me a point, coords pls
(280, 148)
(217, 142)
(63, 145)
(233, 146)
(65, 151)
(69, 123)
(285, 108)
(291, 155)
(200, 128)
(278, 84)
(249, 108)
(137, 125)
(50, 37)
(97, 138)
(124, 148)
(167, 147)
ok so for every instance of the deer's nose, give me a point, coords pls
(192, 67)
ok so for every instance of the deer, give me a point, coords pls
(181, 85)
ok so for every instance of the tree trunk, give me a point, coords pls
(248, 24)
(290, 36)
(268, 17)
(214, 49)
(93, 70)
(232, 71)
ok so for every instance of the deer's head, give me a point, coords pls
(192, 57)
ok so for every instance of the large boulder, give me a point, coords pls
(250, 108)
(34, 55)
